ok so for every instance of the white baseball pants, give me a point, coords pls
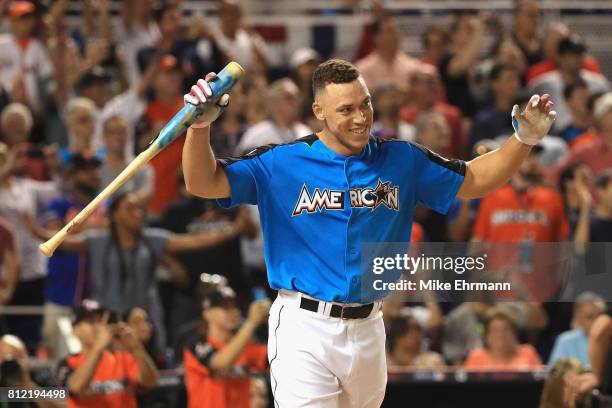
(325, 362)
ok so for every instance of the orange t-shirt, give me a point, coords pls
(230, 389)
(526, 358)
(515, 222)
(509, 216)
(167, 162)
(112, 385)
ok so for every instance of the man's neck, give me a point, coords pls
(80, 145)
(569, 77)
(404, 357)
(333, 143)
(524, 38)
(520, 183)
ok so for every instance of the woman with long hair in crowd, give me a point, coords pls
(123, 258)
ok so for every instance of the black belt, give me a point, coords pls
(344, 312)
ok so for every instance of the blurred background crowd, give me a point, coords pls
(86, 85)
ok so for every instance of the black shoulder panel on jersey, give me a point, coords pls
(258, 151)
(456, 165)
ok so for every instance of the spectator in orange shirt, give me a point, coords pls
(502, 350)
(168, 100)
(516, 217)
(111, 364)
(217, 366)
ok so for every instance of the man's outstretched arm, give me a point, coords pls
(488, 172)
(203, 176)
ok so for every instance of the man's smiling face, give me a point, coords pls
(346, 109)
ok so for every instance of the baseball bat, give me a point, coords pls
(219, 85)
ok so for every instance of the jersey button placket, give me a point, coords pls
(351, 235)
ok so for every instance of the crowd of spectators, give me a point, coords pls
(77, 103)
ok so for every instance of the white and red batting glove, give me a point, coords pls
(532, 124)
(199, 94)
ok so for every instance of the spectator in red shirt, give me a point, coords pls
(111, 364)
(424, 88)
(168, 100)
(502, 349)
(217, 366)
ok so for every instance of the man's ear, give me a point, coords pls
(317, 110)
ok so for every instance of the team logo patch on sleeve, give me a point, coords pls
(368, 197)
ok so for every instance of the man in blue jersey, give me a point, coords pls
(320, 198)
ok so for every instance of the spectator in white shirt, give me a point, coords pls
(24, 61)
(284, 103)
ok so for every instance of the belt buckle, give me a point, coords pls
(342, 313)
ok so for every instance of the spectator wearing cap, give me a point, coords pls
(425, 87)
(284, 105)
(19, 196)
(556, 33)
(571, 53)
(387, 62)
(596, 151)
(123, 258)
(405, 339)
(218, 365)
(168, 100)
(502, 350)
(115, 135)
(575, 342)
(68, 280)
(302, 64)
(111, 365)
(237, 42)
(26, 63)
(494, 121)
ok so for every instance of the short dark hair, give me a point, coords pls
(498, 69)
(569, 89)
(568, 173)
(333, 71)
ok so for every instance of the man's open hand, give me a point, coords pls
(532, 124)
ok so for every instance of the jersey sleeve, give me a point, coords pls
(248, 176)
(437, 179)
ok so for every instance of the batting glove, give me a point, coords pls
(531, 125)
(200, 93)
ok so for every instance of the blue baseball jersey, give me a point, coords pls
(318, 207)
